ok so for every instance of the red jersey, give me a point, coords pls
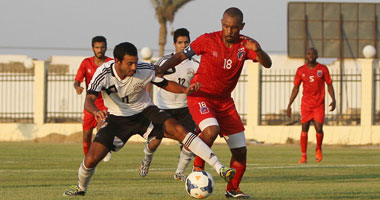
(220, 66)
(86, 70)
(313, 84)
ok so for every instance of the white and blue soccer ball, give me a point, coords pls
(199, 184)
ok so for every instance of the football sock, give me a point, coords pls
(184, 160)
(86, 147)
(84, 176)
(148, 154)
(199, 148)
(240, 169)
(319, 140)
(303, 142)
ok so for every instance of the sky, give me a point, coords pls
(44, 28)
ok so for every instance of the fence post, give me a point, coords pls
(253, 98)
(39, 92)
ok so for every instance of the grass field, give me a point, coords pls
(45, 171)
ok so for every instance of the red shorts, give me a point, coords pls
(223, 111)
(316, 113)
(88, 121)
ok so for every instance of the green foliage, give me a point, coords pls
(45, 171)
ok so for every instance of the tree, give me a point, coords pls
(165, 11)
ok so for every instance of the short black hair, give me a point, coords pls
(234, 12)
(124, 48)
(181, 32)
(99, 39)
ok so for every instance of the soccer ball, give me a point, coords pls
(199, 184)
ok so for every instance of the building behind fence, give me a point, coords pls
(261, 97)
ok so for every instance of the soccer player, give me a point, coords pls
(122, 82)
(86, 71)
(212, 107)
(313, 75)
(174, 104)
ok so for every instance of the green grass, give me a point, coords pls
(45, 171)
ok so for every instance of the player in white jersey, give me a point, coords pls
(131, 111)
(174, 104)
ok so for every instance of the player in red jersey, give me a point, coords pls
(212, 107)
(86, 71)
(313, 75)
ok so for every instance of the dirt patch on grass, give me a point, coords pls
(59, 138)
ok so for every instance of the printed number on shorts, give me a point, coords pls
(203, 107)
(125, 99)
(227, 64)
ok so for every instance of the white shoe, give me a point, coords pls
(108, 157)
(179, 177)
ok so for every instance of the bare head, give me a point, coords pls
(181, 39)
(232, 24)
(99, 46)
(125, 55)
(311, 55)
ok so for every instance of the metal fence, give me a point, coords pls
(63, 104)
(16, 83)
(377, 96)
(276, 87)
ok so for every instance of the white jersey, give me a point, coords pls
(182, 74)
(125, 97)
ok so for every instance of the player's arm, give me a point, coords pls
(331, 91)
(77, 87)
(292, 97)
(89, 105)
(175, 60)
(174, 87)
(262, 56)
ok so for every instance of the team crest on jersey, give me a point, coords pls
(319, 73)
(190, 73)
(241, 54)
(138, 86)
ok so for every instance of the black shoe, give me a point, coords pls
(237, 194)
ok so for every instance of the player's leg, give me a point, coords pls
(303, 141)
(208, 136)
(173, 129)
(150, 147)
(237, 145)
(183, 116)
(319, 130)
(88, 124)
(319, 116)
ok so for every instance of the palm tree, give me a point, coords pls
(165, 11)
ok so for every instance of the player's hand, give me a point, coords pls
(289, 111)
(193, 88)
(332, 105)
(79, 90)
(100, 115)
(250, 43)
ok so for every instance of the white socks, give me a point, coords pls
(84, 176)
(199, 148)
(184, 160)
(148, 154)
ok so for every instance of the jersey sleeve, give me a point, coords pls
(81, 72)
(252, 55)
(198, 45)
(297, 77)
(327, 76)
(97, 82)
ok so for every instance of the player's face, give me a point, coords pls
(181, 43)
(127, 67)
(231, 27)
(311, 56)
(99, 49)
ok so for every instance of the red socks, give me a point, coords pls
(86, 147)
(303, 142)
(240, 169)
(319, 140)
